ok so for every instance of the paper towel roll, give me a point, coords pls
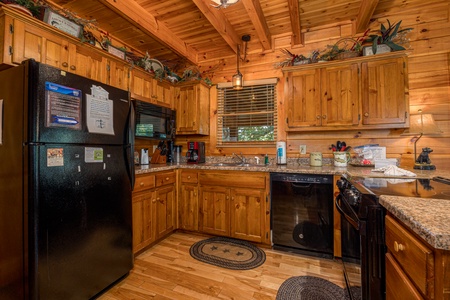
(281, 153)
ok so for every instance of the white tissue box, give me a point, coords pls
(380, 163)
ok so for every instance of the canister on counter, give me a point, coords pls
(315, 159)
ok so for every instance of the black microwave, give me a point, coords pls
(153, 121)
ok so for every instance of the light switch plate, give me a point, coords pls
(302, 149)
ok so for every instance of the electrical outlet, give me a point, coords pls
(302, 149)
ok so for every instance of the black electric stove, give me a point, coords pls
(437, 188)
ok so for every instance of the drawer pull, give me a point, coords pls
(141, 184)
(189, 177)
(167, 178)
(398, 247)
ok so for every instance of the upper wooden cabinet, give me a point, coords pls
(145, 87)
(192, 105)
(118, 73)
(366, 92)
(383, 92)
(323, 97)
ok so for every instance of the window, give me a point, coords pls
(247, 115)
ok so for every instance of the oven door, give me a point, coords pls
(351, 246)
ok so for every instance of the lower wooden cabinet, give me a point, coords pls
(154, 208)
(235, 204)
(410, 264)
(188, 200)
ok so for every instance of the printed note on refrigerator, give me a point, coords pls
(99, 112)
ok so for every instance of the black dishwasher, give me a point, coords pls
(302, 213)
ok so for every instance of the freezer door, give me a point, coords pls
(68, 108)
(80, 220)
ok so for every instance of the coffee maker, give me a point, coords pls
(195, 153)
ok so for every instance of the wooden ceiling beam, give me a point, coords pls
(218, 20)
(146, 22)
(258, 20)
(365, 13)
(294, 15)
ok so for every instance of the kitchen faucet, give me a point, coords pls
(241, 158)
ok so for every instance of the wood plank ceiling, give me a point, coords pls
(193, 30)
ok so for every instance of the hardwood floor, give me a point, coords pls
(167, 271)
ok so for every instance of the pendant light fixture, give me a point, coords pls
(238, 80)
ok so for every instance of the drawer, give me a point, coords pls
(398, 285)
(234, 179)
(144, 182)
(414, 257)
(189, 177)
(165, 178)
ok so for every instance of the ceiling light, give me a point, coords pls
(237, 78)
(224, 3)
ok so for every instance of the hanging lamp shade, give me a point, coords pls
(238, 80)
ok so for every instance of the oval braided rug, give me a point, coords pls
(310, 288)
(228, 253)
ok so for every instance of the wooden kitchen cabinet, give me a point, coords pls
(119, 73)
(367, 92)
(235, 204)
(141, 85)
(384, 90)
(192, 105)
(153, 208)
(26, 38)
(409, 264)
(162, 93)
(322, 97)
(165, 208)
(143, 210)
(188, 200)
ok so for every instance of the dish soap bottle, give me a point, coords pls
(266, 159)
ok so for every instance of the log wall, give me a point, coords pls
(429, 83)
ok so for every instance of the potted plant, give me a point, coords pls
(33, 8)
(386, 38)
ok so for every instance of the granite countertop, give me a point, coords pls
(429, 218)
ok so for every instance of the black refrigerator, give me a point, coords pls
(66, 180)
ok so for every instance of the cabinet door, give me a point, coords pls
(141, 85)
(165, 210)
(187, 110)
(340, 95)
(188, 207)
(384, 92)
(32, 42)
(214, 210)
(163, 93)
(303, 98)
(143, 226)
(247, 214)
(88, 63)
(119, 74)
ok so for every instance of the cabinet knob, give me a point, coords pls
(141, 184)
(317, 117)
(65, 64)
(154, 200)
(398, 247)
(189, 177)
(324, 117)
(366, 114)
(73, 68)
(167, 178)
(195, 194)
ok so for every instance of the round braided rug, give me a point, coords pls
(310, 288)
(228, 253)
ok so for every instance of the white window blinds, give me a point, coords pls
(247, 115)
